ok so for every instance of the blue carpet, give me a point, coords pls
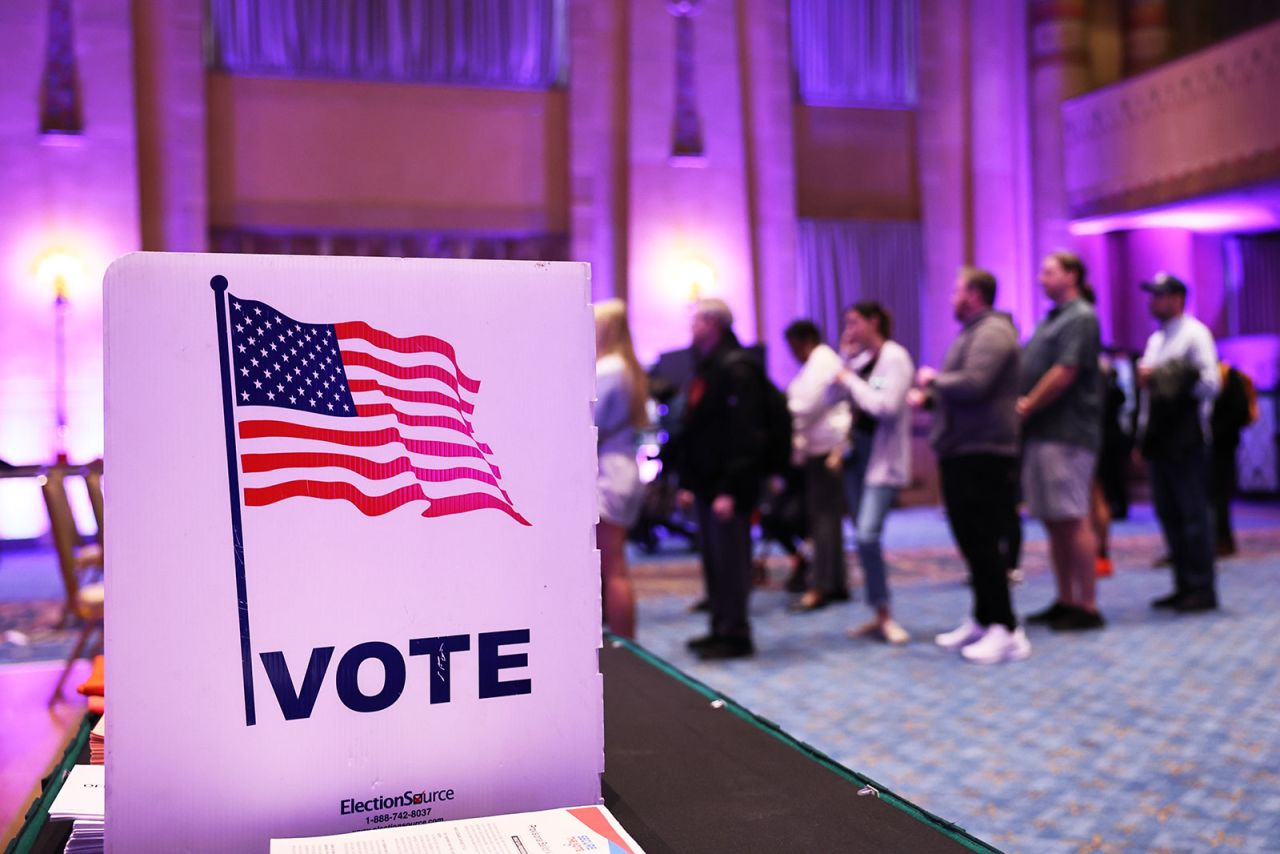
(1157, 734)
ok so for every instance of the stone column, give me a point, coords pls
(1147, 35)
(946, 180)
(771, 172)
(173, 171)
(598, 142)
(1059, 70)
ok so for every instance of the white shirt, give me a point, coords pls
(1184, 337)
(820, 424)
(883, 395)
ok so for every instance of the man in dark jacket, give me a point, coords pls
(975, 435)
(718, 462)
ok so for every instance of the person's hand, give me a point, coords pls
(777, 485)
(916, 398)
(834, 460)
(925, 375)
(848, 347)
(722, 506)
(684, 499)
(842, 377)
(1023, 407)
(1144, 375)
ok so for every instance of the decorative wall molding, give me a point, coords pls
(1201, 124)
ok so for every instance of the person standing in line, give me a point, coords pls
(1061, 410)
(718, 462)
(820, 429)
(1235, 409)
(975, 435)
(620, 410)
(877, 380)
(1179, 371)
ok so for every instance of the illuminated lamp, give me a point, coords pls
(60, 272)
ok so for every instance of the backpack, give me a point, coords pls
(775, 456)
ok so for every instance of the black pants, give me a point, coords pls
(824, 495)
(726, 562)
(1180, 490)
(1222, 487)
(979, 492)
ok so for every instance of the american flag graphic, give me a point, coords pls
(343, 411)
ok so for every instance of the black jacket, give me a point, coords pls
(721, 443)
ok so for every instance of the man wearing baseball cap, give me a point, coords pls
(1179, 375)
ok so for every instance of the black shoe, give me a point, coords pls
(1170, 601)
(725, 648)
(701, 605)
(698, 643)
(1048, 615)
(840, 596)
(1163, 560)
(799, 580)
(1225, 550)
(1078, 620)
(1192, 603)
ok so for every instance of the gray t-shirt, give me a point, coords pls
(1068, 336)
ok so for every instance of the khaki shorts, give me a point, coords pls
(1057, 478)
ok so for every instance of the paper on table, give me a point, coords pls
(591, 828)
(82, 795)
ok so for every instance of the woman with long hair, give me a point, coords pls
(621, 398)
(877, 379)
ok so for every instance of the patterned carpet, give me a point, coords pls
(28, 631)
(1160, 733)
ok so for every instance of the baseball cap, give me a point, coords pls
(1165, 283)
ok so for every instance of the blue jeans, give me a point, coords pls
(868, 507)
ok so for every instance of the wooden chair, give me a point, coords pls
(84, 596)
(93, 483)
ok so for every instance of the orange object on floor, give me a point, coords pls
(95, 686)
(1102, 567)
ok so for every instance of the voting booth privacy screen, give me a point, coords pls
(352, 579)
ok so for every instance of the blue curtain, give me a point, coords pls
(855, 53)
(840, 262)
(502, 43)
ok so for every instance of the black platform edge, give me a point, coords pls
(38, 813)
(948, 828)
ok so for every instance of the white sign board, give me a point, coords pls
(351, 576)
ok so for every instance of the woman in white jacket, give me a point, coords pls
(877, 378)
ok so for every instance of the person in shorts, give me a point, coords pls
(1061, 410)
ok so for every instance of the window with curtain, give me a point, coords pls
(503, 43)
(1253, 284)
(855, 53)
(840, 262)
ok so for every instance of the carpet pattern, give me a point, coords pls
(29, 632)
(1160, 733)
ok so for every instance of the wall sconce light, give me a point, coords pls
(696, 277)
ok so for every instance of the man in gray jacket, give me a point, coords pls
(975, 435)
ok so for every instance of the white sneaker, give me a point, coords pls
(997, 645)
(967, 633)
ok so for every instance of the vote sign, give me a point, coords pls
(351, 579)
